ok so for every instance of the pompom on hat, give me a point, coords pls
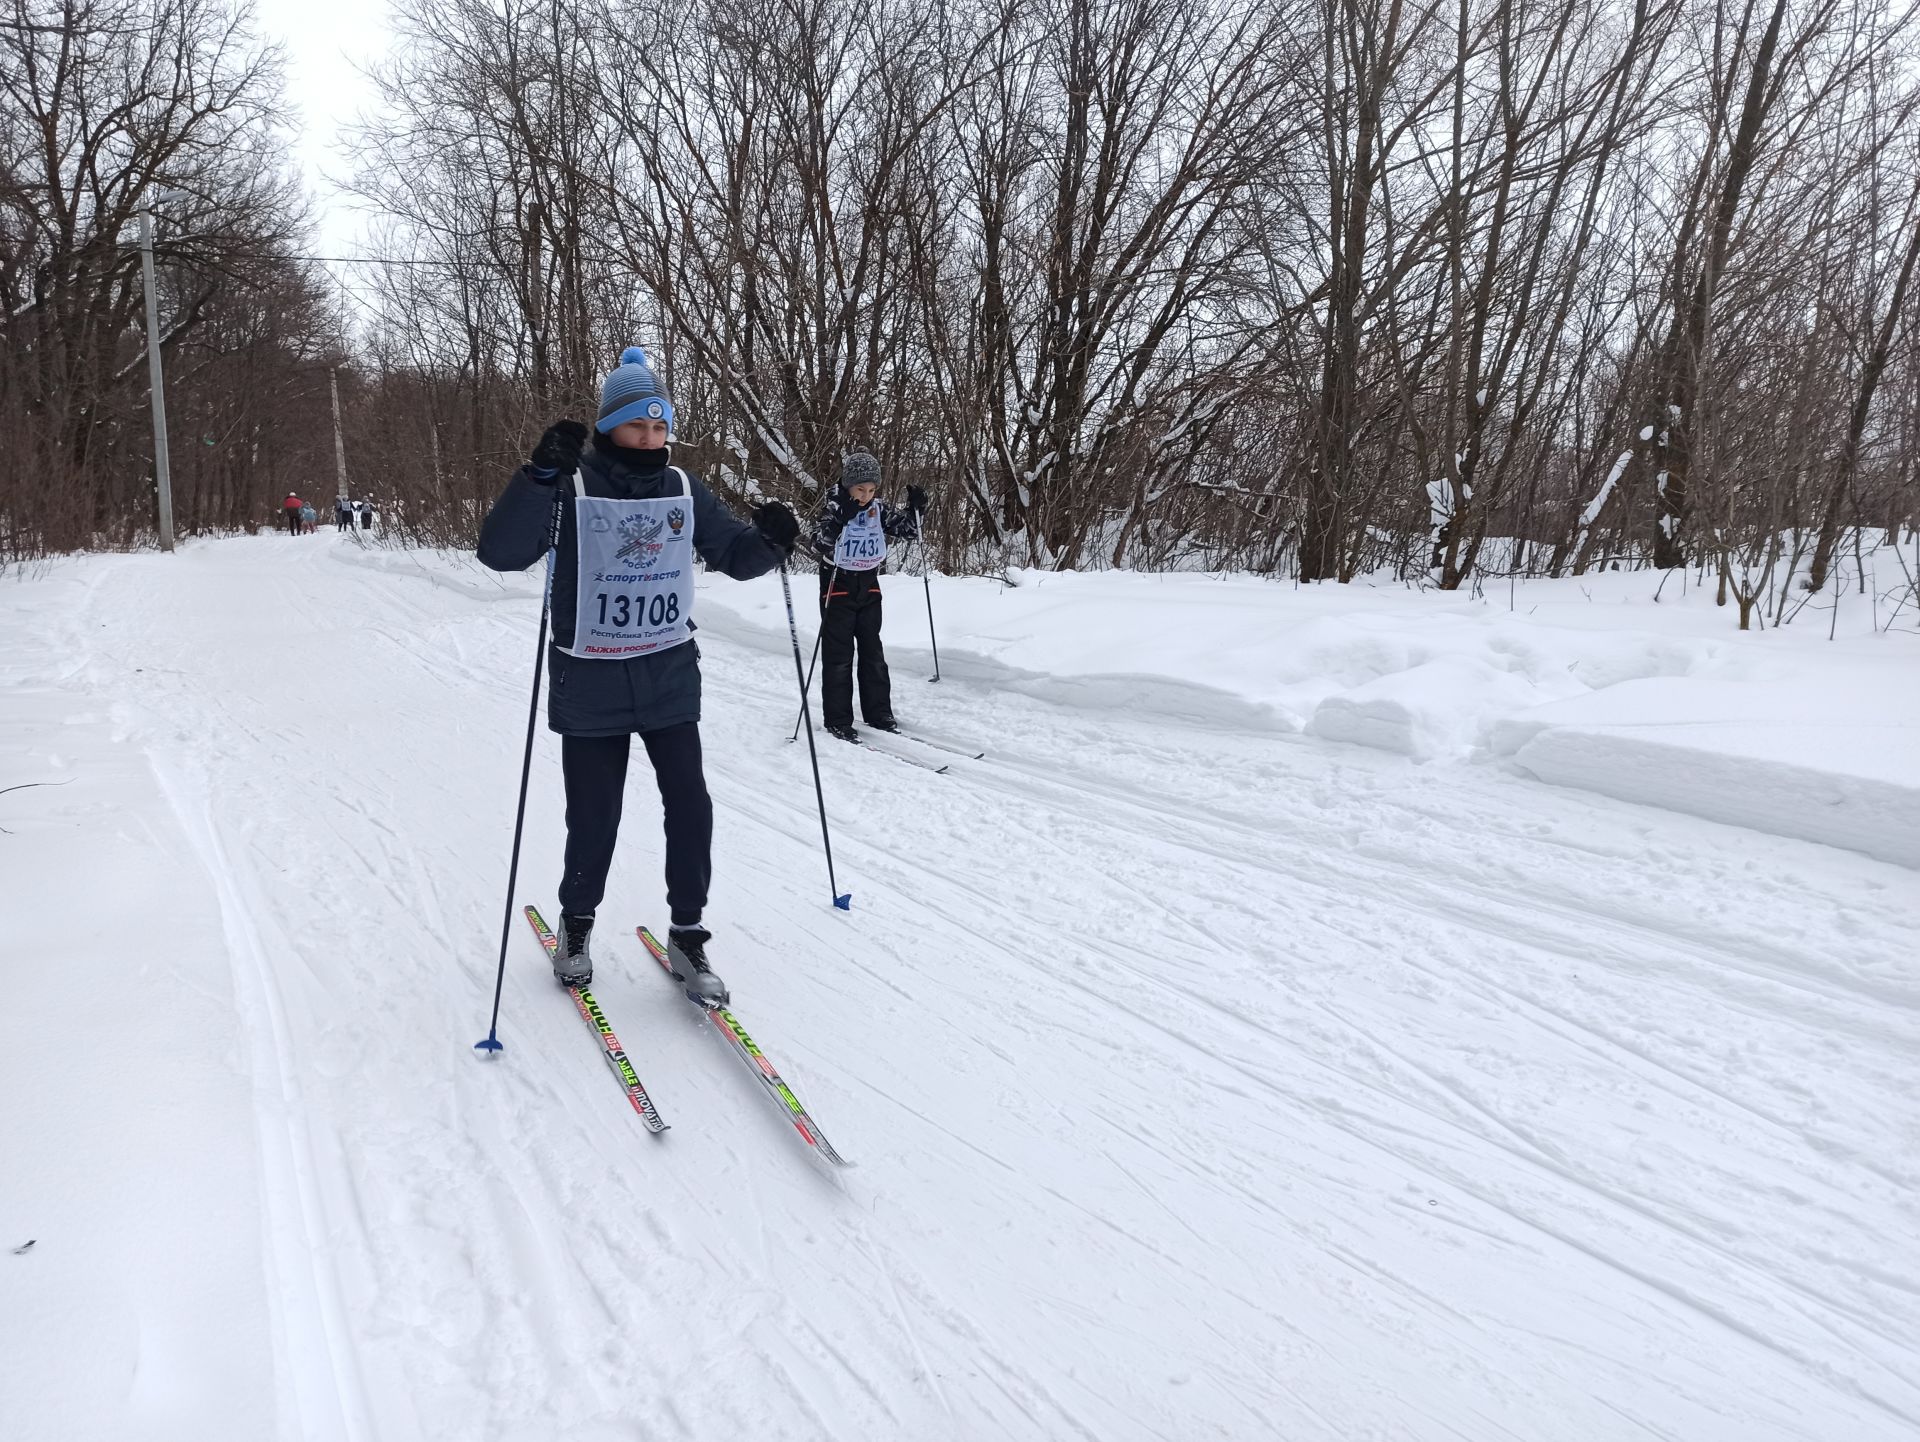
(632, 392)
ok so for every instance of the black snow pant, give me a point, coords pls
(293, 522)
(850, 619)
(595, 768)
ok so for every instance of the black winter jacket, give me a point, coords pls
(640, 693)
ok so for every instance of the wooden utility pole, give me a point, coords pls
(339, 444)
(162, 474)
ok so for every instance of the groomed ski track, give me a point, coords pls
(1204, 1083)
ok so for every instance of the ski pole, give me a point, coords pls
(807, 683)
(844, 902)
(819, 636)
(491, 1043)
(927, 585)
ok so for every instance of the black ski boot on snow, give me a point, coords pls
(573, 961)
(844, 733)
(890, 726)
(687, 951)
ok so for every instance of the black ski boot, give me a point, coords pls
(890, 726)
(687, 950)
(844, 733)
(573, 961)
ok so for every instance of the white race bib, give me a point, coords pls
(863, 543)
(635, 592)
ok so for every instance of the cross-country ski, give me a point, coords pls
(744, 1046)
(969, 752)
(886, 745)
(596, 1021)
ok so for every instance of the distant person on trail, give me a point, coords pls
(850, 537)
(366, 514)
(309, 518)
(291, 508)
(342, 514)
(623, 657)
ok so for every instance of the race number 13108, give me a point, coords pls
(621, 610)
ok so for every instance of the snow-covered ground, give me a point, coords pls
(1208, 1075)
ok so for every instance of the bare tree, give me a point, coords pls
(1447, 288)
(106, 106)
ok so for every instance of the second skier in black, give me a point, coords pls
(850, 537)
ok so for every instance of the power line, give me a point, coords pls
(320, 259)
(370, 260)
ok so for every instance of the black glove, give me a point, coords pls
(776, 523)
(841, 506)
(559, 449)
(916, 500)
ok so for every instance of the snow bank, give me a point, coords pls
(1838, 764)
(1418, 673)
(1591, 683)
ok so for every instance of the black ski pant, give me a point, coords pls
(293, 522)
(850, 622)
(595, 768)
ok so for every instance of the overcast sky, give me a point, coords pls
(325, 40)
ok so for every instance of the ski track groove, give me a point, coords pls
(1527, 1150)
(294, 1199)
(1530, 1149)
(1558, 1160)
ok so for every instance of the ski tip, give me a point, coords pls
(486, 1046)
(845, 903)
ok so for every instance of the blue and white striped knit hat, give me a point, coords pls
(633, 393)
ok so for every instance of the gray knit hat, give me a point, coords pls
(859, 469)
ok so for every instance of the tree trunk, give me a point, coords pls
(1673, 431)
(1848, 462)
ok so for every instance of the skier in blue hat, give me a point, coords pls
(623, 661)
